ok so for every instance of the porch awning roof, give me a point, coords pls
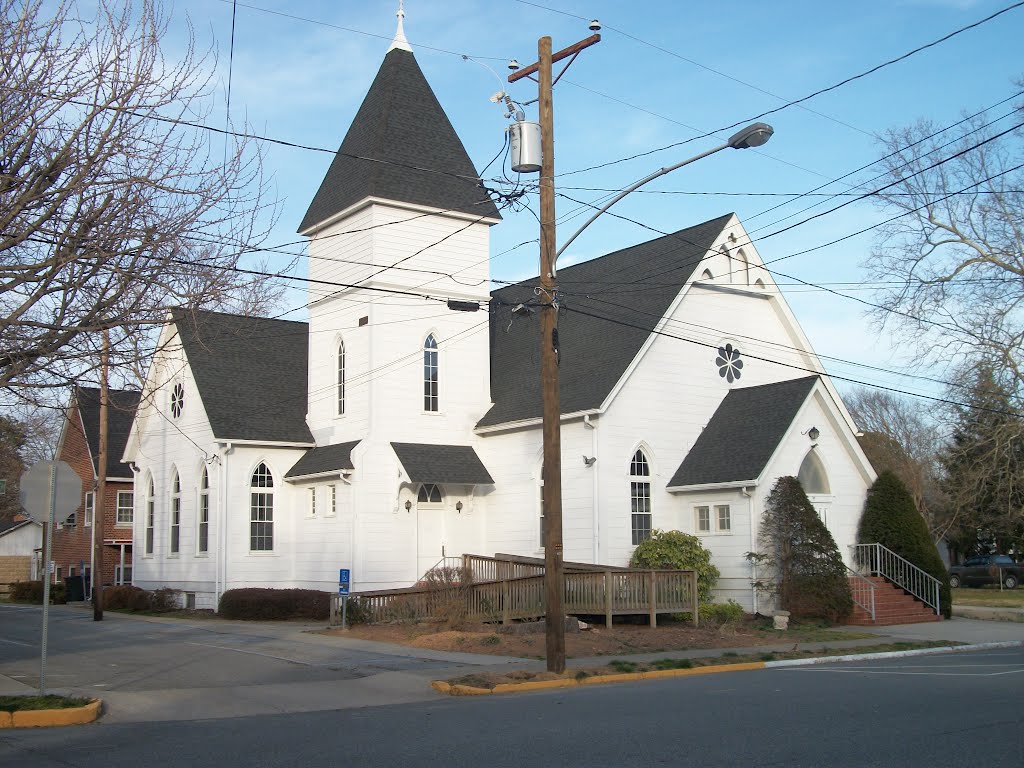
(425, 463)
(323, 460)
(743, 433)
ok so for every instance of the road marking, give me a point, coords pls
(15, 642)
(865, 671)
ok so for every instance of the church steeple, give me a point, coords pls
(401, 147)
(400, 42)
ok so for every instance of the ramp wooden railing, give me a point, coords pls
(607, 592)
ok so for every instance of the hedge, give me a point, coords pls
(32, 592)
(256, 604)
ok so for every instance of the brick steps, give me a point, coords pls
(892, 606)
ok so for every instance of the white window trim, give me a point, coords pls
(174, 507)
(268, 491)
(697, 508)
(423, 378)
(149, 529)
(641, 479)
(204, 495)
(118, 522)
(332, 506)
(718, 518)
(311, 510)
(89, 509)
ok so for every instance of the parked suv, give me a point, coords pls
(986, 569)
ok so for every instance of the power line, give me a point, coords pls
(799, 101)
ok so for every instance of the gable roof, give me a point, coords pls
(251, 374)
(414, 155)
(327, 459)
(743, 433)
(120, 414)
(442, 464)
(594, 351)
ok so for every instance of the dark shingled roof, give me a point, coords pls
(402, 124)
(120, 414)
(251, 374)
(743, 433)
(327, 458)
(595, 351)
(442, 464)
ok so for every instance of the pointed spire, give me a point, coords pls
(400, 42)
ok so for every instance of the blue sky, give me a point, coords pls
(664, 72)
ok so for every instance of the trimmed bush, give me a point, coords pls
(722, 613)
(259, 604)
(809, 575)
(128, 598)
(678, 551)
(891, 519)
(32, 592)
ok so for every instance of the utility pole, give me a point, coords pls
(554, 577)
(100, 502)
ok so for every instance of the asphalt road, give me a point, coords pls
(934, 711)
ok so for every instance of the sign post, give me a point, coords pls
(58, 483)
(344, 581)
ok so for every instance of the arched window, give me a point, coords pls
(742, 267)
(759, 283)
(640, 496)
(341, 378)
(812, 474)
(706, 275)
(429, 494)
(261, 510)
(430, 374)
(175, 514)
(203, 523)
(150, 517)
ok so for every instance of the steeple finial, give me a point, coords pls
(400, 41)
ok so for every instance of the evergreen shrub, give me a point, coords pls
(678, 551)
(891, 519)
(261, 604)
(810, 578)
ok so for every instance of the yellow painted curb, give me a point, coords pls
(660, 674)
(43, 718)
(534, 685)
(569, 682)
(467, 690)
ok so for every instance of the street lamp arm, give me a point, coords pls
(753, 135)
(630, 190)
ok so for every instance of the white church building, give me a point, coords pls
(389, 432)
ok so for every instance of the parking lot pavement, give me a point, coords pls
(147, 668)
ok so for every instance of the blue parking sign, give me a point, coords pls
(344, 579)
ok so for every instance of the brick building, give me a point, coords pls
(79, 447)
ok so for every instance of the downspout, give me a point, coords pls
(221, 566)
(753, 563)
(595, 496)
(347, 480)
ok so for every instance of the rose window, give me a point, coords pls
(729, 363)
(177, 400)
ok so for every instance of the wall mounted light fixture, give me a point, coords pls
(458, 507)
(408, 505)
(813, 433)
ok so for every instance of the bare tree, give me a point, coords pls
(902, 436)
(114, 207)
(955, 260)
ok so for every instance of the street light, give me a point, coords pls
(754, 135)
